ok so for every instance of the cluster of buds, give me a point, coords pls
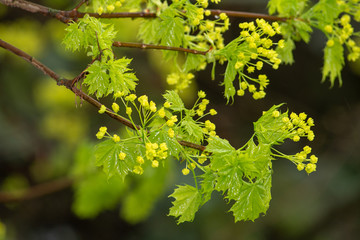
(303, 162)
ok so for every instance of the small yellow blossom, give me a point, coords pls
(307, 149)
(185, 171)
(116, 138)
(313, 159)
(155, 164)
(167, 104)
(115, 107)
(310, 167)
(161, 112)
(128, 111)
(110, 8)
(330, 43)
(138, 170)
(240, 92)
(201, 94)
(213, 112)
(100, 10)
(171, 132)
(122, 155)
(152, 106)
(102, 109)
(276, 114)
(140, 160)
(296, 138)
(163, 146)
(300, 166)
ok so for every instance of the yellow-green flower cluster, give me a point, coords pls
(342, 31)
(209, 128)
(180, 80)
(302, 160)
(101, 133)
(171, 122)
(297, 126)
(255, 51)
(154, 153)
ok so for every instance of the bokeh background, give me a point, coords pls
(42, 126)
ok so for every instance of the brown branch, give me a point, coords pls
(36, 191)
(69, 84)
(66, 16)
(152, 46)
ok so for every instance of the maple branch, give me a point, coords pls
(152, 46)
(69, 84)
(74, 14)
(36, 191)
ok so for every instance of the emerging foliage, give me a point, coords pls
(191, 37)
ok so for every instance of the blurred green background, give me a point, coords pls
(42, 125)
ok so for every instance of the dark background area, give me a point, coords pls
(42, 124)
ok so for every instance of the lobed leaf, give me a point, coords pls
(187, 203)
(173, 97)
(254, 199)
(97, 79)
(107, 156)
(149, 30)
(192, 129)
(333, 62)
(220, 146)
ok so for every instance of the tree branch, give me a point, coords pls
(67, 16)
(152, 46)
(36, 191)
(69, 84)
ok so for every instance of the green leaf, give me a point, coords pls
(285, 53)
(120, 79)
(97, 79)
(90, 34)
(171, 32)
(333, 62)
(187, 203)
(303, 29)
(192, 129)
(174, 148)
(176, 103)
(324, 11)
(107, 156)
(193, 61)
(254, 199)
(74, 38)
(207, 185)
(268, 129)
(257, 160)
(229, 174)
(219, 145)
(287, 8)
(96, 193)
(148, 31)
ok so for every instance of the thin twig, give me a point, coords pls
(152, 46)
(239, 14)
(36, 191)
